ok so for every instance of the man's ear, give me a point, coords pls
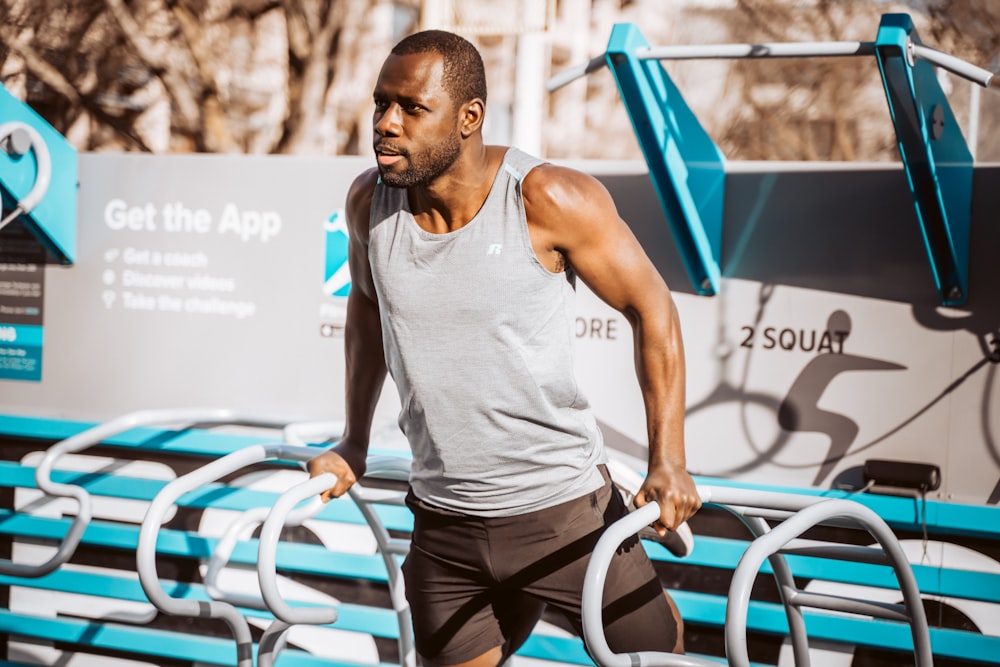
(472, 117)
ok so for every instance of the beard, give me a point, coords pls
(424, 167)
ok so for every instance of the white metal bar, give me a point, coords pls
(952, 64)
(776, 50)
(765, 50)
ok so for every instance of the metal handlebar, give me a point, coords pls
(149, 531)
(911, 611)
(775, 50)
(267, 552)
(798, 513)
(593, 592)
(93, 436)
(11, 134)
(381, 467)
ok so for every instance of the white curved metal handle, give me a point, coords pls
(149, 532)
(227, 542)
(43, 175)
(593, 592)
(93, 436)
(268, 548)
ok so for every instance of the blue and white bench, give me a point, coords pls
(91, 609)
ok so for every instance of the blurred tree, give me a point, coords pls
(254, 76)
(295, 76)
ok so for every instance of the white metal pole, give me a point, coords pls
(529, 79)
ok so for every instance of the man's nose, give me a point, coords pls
(388, 122)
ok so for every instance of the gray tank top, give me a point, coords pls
(478, 338)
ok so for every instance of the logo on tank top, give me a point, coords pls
(494, 249)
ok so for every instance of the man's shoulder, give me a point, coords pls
(364, 183)
(359, 199)
(553, 185)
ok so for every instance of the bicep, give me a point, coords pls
(602, 249)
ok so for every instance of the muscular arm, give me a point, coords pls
(572, 215)
(365, 363)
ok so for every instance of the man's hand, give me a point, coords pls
(675, 491)
(344, 461)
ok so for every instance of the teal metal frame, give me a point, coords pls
(52, 221)
(688, 169)
(935, 155)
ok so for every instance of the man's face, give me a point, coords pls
(415, 121)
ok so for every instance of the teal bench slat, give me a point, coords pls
(770, 618)
(215, 496)
(292, 557)
(717, 552)
(900, 512)
(137, 639)
(199, 442)
(316, 559)
(353, 617)
(194, 441)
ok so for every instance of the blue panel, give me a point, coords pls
(935, 155)
(53, 220)
(687, 168)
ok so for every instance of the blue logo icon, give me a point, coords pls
(337, 279)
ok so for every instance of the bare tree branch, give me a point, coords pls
(187, 104)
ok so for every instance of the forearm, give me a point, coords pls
(659, 356)
(365, 372)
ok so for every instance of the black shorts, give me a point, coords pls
(465, 575)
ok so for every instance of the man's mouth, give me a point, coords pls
(387, 155)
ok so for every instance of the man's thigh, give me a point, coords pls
(472, 584)
(637, 615)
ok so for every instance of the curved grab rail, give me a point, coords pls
(679, 542)
(93, 436)
(149, 532)
(227, 542)
(797, 513)
(381, 467)
(912, 610)
(593, 591)
(293, 434)
(267, 553)
(272, 642)
(43, 174)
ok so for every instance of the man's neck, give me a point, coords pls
(454, 198)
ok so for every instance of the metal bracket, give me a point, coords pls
(687, 168)
(935, 155)
(38, 180)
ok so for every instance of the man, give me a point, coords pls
(463, 258)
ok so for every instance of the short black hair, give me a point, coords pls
(464, 74)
